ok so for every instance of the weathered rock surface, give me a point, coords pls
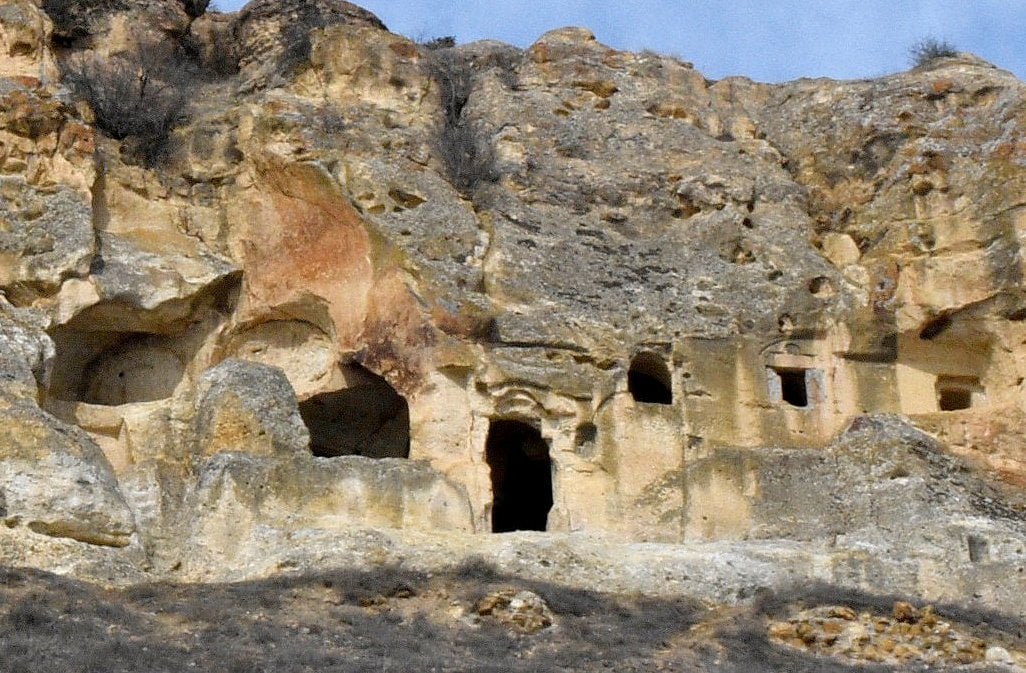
(269, 30)
(24, 43)
(56, 480)
(243, 406)
(376, 301)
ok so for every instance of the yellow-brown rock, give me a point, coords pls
(25, 55)
(569, 293)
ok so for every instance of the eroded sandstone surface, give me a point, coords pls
(369, 301)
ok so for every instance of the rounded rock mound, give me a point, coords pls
(267, 28)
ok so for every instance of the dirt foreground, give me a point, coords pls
(475, 619)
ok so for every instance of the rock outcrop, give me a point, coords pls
(374, 296)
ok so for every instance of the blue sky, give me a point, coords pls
(767, 40)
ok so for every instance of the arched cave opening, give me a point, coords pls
(115, 368)
(521, 476)
(366, 418)
(648, 379)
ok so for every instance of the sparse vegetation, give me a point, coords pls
(463, 148)
(749, 648)
(467, 155)
(455, 77)
(340, 621)
(926, 50)
(296, 38)
(395, 620)
(443, 42)
(196, 8)
(137, 96)
(215, 60)
(75, 19)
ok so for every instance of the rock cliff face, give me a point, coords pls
(375, 296)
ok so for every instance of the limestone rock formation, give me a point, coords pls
(376, 301)
(24, 43)
(249, 407)
(274, 35)
(57, 482)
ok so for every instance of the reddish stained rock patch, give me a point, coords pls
(306, 250)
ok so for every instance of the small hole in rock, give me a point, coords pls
(955, 399)
(977, 547)
(820, 286)
(955, 393)
(935, 327)
(585, 438)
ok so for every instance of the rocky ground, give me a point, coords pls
(906, 635)
(476, 618)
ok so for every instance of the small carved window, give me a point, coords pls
(790, 385)
(955, 393)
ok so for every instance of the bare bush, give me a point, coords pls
(75, 19)
(195, 8)
(463, 148)
(926, 50)
(455, 77)
(443, 42)
(215, 58)
(139, 96)
(467, 155)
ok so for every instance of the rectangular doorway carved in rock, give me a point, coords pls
(521, 472)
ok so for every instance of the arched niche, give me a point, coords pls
(115, 368)
(648, 379)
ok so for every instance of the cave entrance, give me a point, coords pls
(648, 379)
(521, 476)
(955, 393)
(366, 418)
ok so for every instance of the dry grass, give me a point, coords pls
(388, 620)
